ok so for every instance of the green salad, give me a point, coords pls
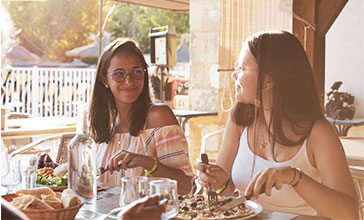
(45, 177)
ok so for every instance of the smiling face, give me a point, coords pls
(128, 90)
(246, 77)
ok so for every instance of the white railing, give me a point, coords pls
(47, 91)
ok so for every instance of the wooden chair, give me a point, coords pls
(354, 150)
(61, 151)
(357, 172)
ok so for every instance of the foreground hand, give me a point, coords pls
(211, 174)
(270, 177)
(146, 208)
(121, 160)
(44, 160)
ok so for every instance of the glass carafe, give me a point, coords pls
(82, 160)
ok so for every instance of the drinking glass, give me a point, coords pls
(31, 174)
(14, 176)
(133, 188)
(166, 189)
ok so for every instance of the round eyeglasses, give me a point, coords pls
(120, 74)
(238, 69)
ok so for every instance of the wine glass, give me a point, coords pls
(14, 176)
(132, 188)
(166, 189)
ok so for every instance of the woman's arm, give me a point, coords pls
(336, 197)
(159, 116)
(218, 174)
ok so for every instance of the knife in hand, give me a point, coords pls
(232, 204)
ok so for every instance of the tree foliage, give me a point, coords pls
(134, 22)
(50, 28)
(8, 34)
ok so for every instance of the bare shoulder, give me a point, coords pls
(161, 115)
(322, 130)
(324, 142)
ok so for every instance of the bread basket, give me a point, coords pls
(55, 214)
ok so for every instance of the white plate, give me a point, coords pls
(254, 206)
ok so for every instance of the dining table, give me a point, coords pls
(342, 126)
(184, 115)
(33, 126)
(108, 199)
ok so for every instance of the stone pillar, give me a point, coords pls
(204, 58)
(204, 48)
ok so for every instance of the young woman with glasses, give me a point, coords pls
(135, 137)
(277, 141)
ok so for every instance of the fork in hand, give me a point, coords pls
(211, 194)
(135, 160)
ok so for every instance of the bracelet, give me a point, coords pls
(299, 177)
(223, 187)
(149, 172)
(294, 175)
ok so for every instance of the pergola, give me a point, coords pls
(316, 14)
(173, 5)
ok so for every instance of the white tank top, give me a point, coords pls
(286, 199)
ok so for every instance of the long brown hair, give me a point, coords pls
(103, 110)
(295, 99)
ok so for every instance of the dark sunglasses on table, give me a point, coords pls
(120, 75)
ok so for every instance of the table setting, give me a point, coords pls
(108, 206)
(111, 200)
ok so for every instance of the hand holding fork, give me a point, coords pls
(131, 163)
(211, 194)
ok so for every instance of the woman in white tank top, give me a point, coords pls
(277, 140)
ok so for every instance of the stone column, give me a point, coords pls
(204, 48)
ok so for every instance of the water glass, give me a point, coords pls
(31, 174)
(14, 176)
(166, 189)
(132, 188)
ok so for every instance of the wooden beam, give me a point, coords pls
(322, 14)
(314, 45)
(328, 11)
(306, 10)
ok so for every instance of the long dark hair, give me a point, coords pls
(295, 99)
(103, 110)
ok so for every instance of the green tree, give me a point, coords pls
(134, 22)
(49, 28)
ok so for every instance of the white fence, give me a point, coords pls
(47, 91)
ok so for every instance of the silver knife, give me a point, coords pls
(231, 204)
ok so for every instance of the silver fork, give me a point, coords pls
(211, 194)
(101, 170)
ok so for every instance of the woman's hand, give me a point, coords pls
(211, 174)
(269, 178)
(44, 160)
(125, 160)
(146, 208)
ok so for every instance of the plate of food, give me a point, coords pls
(57, 177)
(196, 207)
